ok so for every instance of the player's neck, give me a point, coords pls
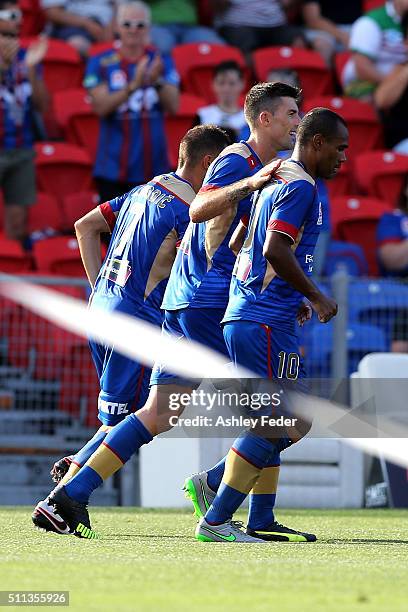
(189, 176)
(262, 148)
(302, 156)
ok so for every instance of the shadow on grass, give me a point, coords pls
(363, 541)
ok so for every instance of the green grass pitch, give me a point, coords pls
(149, 561)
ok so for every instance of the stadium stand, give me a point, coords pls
(355, 220)
(62, 168)
(77, 119)
(315, 78)
(45, 214)
(380, 173)
(58, 255)
(33, 18)
(76, 205)
(195, 63)
(13, 258)
(177, 125)
(364, 127)
(345, 256)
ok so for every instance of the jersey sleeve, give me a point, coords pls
(389, 229)
(365, 37)
(170, 74)
(93, 73)
(111, 208)
(224, 171)
(291, 208)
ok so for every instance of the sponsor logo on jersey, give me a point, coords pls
(118, 79)
(320, 219)
(112, 407)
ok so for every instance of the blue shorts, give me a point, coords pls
(268, 352)
(124, 384)
(199, 324)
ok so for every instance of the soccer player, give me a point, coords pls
(267, 290)
(197, 294)
(151, 220)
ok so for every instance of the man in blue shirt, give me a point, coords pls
(269, 284)
(131, 87)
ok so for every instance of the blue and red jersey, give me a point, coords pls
(151, 221)
(132, 143)
(392, 228)
(202, 270)
(16, 108)
(289, 205)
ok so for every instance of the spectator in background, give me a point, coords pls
(175, 22)
(80, 22)
(228, 113)
(130, 88)
(328, 24)
(391, 99)
(256, 24)
(22, 92)
(392, 238)
(377, 45)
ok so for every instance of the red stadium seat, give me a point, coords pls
(364, 126)
(195, 63)
(341, 185)
(75, 115)
(76, 205)
(62, 168)
(44, 214)
(177, 125)
(381, 173)
(369, 5)
(58, 255)
(13, 258)
(340, 60)
(355, 220)
(100, 47)
(314, 76)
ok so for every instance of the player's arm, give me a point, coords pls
(211, 202)
(277, 250)
(238, 237)
(88, 231)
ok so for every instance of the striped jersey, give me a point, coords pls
(132, 143)
(290, 205)
(202, 270)
(16, 109)
(151, 221)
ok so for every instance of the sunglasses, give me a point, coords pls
(10, 15)
(140, 25)
(8, 34)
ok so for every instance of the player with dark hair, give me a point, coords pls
(147, 225)
(270, 281)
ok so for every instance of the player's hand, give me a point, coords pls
(304, 314)
(36, 52)
(324, 307)
(259, 179)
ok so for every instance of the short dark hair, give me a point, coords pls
(266, 96)
(319, 121)
(202, 140)
(226, 67)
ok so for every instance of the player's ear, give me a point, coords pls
(207, 159)
(318, 141)
(265, 118)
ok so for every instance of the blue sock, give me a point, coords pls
(81, 490)
(215, 474)
(261, 505)
(90, 447)
(283, 443)
(248, 455)
(123, 441)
